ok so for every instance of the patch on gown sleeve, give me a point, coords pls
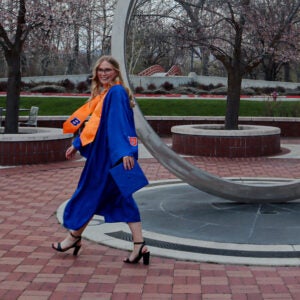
(133, 140)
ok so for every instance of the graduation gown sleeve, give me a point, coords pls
(121, 134)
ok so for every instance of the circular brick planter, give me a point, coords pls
(213, 140)
(33, 146)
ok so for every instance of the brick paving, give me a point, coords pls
(30, 269)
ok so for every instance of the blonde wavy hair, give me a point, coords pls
(96, 85)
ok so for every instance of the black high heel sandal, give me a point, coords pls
(74, 245)
(145, 255)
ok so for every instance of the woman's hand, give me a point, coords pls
(70, 153)
(128, 162)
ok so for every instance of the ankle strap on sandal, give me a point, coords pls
(74, 236)
(139, 243)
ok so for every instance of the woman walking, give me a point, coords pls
(108, 138)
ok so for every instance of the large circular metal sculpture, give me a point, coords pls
(174, 163)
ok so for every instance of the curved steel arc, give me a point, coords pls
(174, 163)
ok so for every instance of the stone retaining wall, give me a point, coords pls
(176, 81)
(145, 81)
(290, 127)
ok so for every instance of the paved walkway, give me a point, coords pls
(30, 269)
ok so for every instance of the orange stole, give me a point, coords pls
(89, 132)
(73, 123)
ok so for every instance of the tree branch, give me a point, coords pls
(21, 23)
(4, 40)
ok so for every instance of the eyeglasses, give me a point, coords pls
(105, 71)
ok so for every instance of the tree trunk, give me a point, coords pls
(205, 62)
(13, 92)
(233, 100)
(270, 70)
(89, 44)
(71, 68)
(287, 72)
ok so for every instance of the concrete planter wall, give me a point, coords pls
(49, 144)
(33, 146)
(212, 140)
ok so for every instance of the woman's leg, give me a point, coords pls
(136, 231)
(137, 237)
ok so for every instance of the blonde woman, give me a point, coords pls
(108, 138)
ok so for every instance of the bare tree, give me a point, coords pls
(240, 33)
(96, 28)
(44, 31)
(277, 31)
(79, 36)
(16, 22)
(151, 38)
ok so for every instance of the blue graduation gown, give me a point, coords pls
(97, 193)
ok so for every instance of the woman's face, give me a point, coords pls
(106, 73)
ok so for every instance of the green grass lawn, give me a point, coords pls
(181, 107)
(167, 107)
(50, 106)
